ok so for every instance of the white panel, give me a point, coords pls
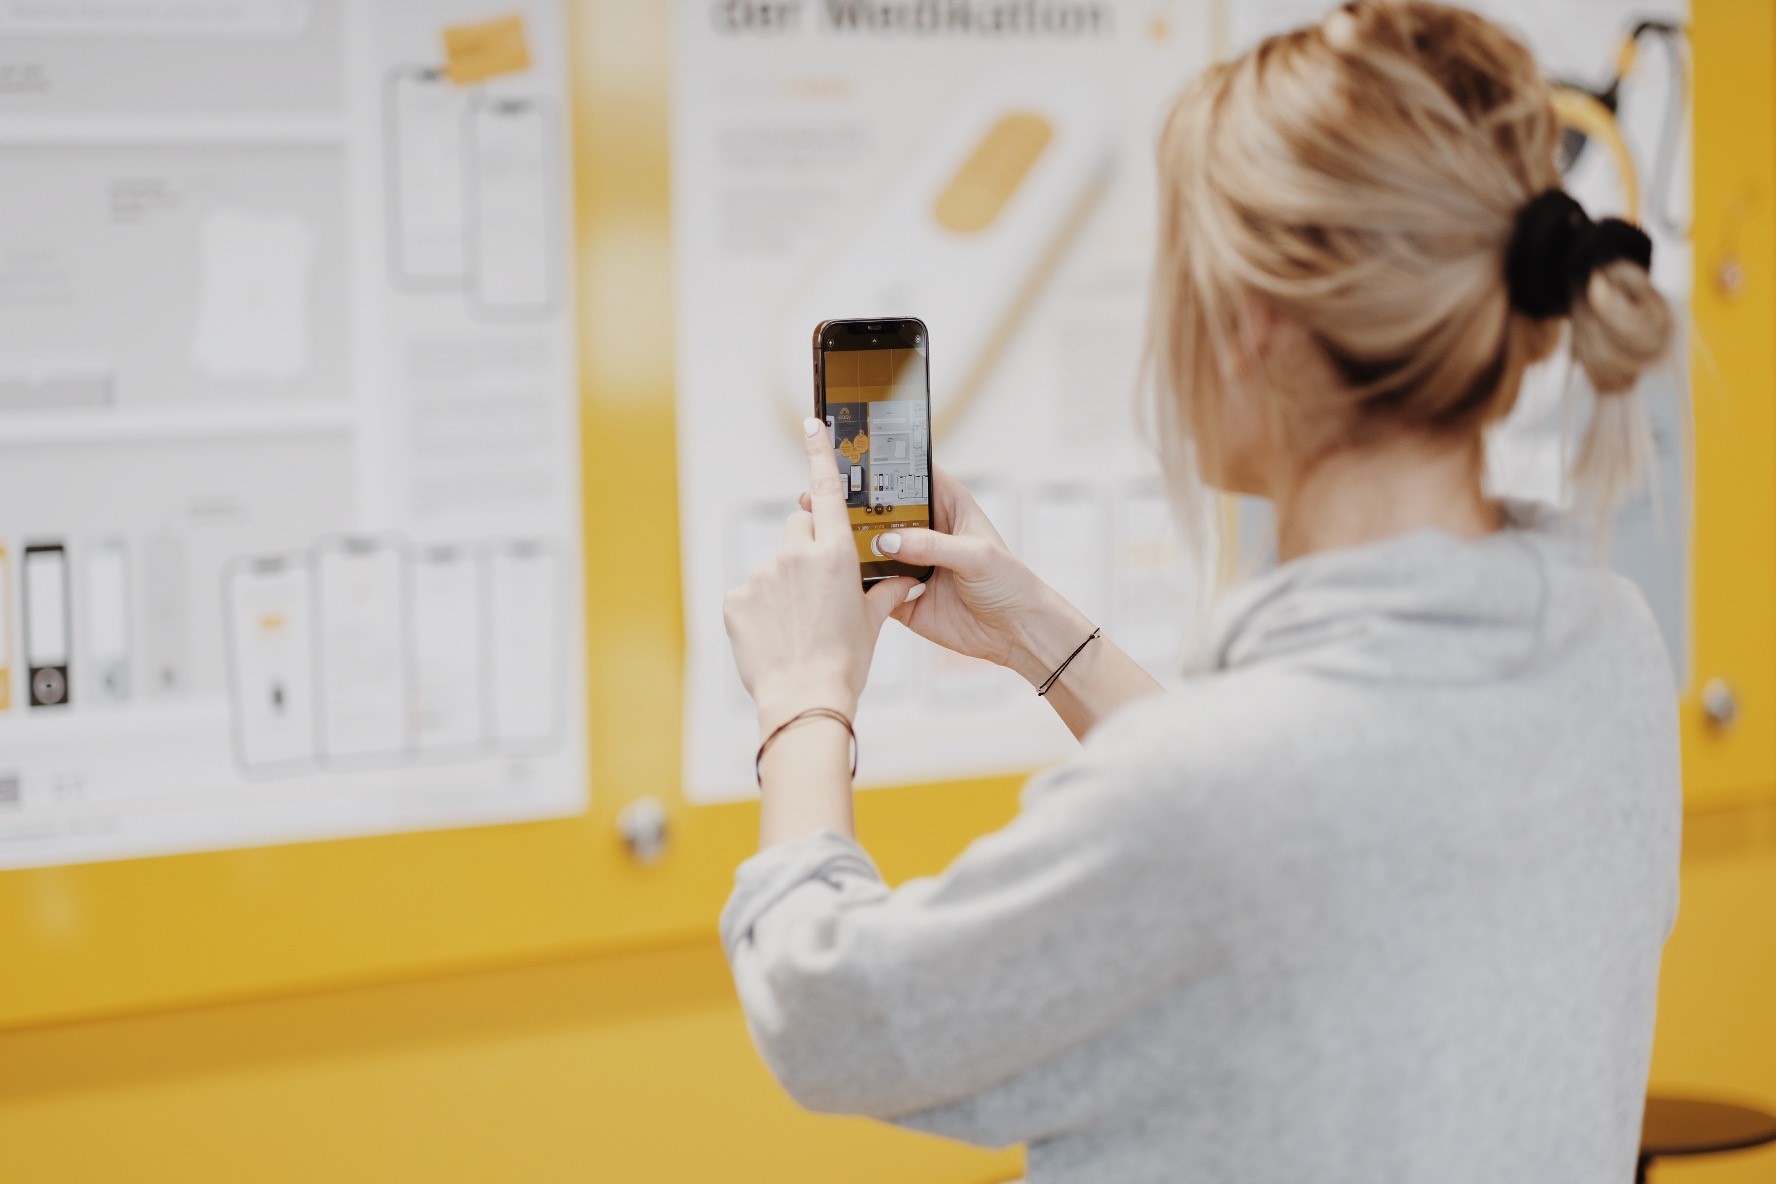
(278, 392)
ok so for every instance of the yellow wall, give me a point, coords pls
(632, 1068)
(1717, 1025)
(635, 1066)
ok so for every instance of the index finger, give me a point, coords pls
(826, 490)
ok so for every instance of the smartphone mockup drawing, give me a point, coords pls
(512, 248)
(362, 668)
(526, 673)
(872, 389)
(108, 632)
(269, 607)
(423, 129)
(47, 631)
(447, 620)
(5, 630)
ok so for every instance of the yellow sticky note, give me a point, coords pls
(486, 49)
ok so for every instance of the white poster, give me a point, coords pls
(987, 167)
(289, 476)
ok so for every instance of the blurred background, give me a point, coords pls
(389, 389)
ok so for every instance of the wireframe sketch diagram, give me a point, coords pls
(289, 478)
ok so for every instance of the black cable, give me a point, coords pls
(1573, 142)
(1660, 180)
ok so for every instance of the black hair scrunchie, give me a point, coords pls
(1554, 248)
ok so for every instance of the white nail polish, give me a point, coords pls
(811, 425)
(913, 593)
(887, 544)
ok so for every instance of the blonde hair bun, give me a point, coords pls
(1387, 179)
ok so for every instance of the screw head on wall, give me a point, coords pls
(1719, 703)
(642, 826)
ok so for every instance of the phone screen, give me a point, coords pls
(875, 396)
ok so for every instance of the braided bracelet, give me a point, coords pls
(832, 713)
(1049, 682)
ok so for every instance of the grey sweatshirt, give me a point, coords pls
(1377, 897)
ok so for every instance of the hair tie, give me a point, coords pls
(1555, 247)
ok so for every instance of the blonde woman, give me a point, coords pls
(1380, 893)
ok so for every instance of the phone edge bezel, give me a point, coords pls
(820, 413)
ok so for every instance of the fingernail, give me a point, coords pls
(887, 543)
(913, 593)
(811, 425)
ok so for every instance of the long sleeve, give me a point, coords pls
(1040, 936)
(1372, 900)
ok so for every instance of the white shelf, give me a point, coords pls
(37, 131)
(100, 425)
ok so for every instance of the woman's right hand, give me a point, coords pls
(982, 601)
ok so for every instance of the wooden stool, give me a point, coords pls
(1692, 1126)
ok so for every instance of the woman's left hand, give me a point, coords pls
(802, 628)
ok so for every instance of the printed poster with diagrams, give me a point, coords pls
(289, 477)
(1622, 74)
(987, 167)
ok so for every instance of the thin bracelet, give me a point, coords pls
(832, 713)
(1049, 682)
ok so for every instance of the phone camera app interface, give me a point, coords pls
(877, 415)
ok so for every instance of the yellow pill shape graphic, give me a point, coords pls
(992, 172)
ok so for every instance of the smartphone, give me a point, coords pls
(872, 389)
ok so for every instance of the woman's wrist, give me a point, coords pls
(804, 777)
(779, 704)
(1044, 636)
